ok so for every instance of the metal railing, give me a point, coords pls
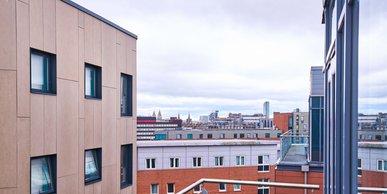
(271, 184)
(256, 183)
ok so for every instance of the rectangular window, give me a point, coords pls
(150, 163)
(196, 161)
(174, 162)
(267, 135)
(43, 72)
(255, 135)
(279, 135)
(93, 81)
(222, 187)
(359, 172)
(126, 167)
(92, 166)
(263, 189)
(43, 174)
(200, 136)
(198, 189)
(237, 187)
(126, 95)
(189, 136)
(263, 163)
(178, 136)
(242, 135)
(154, 189)
(219, 161)
(170, 188)
(209, 136)
(222, 136)
(248, 135)
(382, 165)
(240, 160)
(235, 135)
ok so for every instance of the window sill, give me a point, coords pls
(125, 185)
(92, 98)
(35, 91)
(92, 181)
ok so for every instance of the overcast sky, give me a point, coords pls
(196, 56)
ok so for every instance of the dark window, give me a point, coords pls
(279, 135)
(43, 174)
(235, 135)
(242, 135)
(267, 135)
(197, 189)
(150, 163)
(359, 172)
(378, 137)
(170, 188)
(189, 136)
(200, 136)
(43, 72)
(93, 165)
(93, 81)
(263, 189)
(154, 189)
(222, 187)
(126, 165)
(126, 95)
(209, 136)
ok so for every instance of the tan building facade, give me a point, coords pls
(47, 121)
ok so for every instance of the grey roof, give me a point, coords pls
(79, 7)
(215, 142)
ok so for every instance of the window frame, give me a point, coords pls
(263, 164)
(383, 166)
(264, 188)
(240, 161)
(52, 167)
(97, 156)
(150, 163)
(51, 71)
(196, 161)
(129, 167)
(237, 189)
(225, 187)
(158, 188)
(98, 82)
(173, 188)
(174, 162)
(219, 161)
(130, 95)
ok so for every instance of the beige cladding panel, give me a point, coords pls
(8, 35)
(49, 26)
(8, 129)
(109, 66)
(109, 185)
(67, 127)
(93, 41)
(23, 59)
(89, 124)
(67, 184)
(8, 191)
(36, 24)
(50, 123)
(81, 154)
(23, 155)
(81, 69)
(67, 41)
(98, 123)
(37, 124)
(109, 128)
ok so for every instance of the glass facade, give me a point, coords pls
(316, 114)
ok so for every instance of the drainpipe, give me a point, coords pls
(305, 169)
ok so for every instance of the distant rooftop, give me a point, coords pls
(79, 7)
(370, 144)
(215, 142)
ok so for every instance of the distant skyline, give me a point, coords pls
(197, 56)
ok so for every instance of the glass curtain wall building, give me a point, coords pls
(355, 75)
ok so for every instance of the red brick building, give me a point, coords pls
(283, 121)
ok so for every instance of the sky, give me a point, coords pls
(197, 56)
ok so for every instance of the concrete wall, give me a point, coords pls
(64, 124)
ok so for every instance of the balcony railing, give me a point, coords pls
(294, 147)
(271, 184)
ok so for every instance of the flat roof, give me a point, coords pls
(79, 7)
(214, 142)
